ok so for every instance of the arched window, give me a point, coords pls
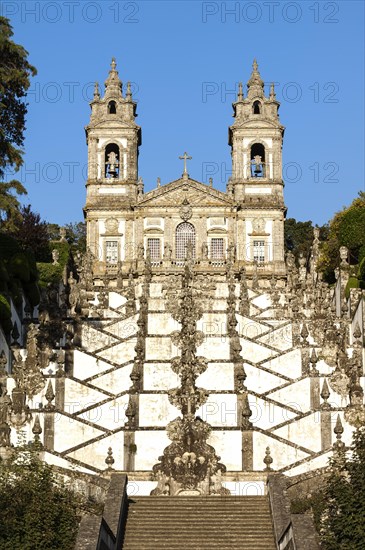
(257, 160)
(112, 161)
(185, 240)
(256, 108)
(112, 108)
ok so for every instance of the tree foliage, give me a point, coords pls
(298, 237)
(9, 204)
(37, 510)
(76, 235)
(347, 228)
(32, 234)
(343, 526)
(15, 73)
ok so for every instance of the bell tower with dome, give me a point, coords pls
(256, 139)
(113, 139)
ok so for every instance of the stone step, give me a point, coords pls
(200, 523)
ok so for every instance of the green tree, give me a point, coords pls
(347, 228)
(298, 237)
(343, 526)
(9, 204)
(76, 235)
(53, 231)
(31, 232)
(15, 73)
(37, 511)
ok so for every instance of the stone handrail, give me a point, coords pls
(292, 531)
(106, 532)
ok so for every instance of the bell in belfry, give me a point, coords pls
(113, 165)
(258, 165)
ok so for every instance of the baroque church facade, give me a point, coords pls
(245, 223)
(195, 355)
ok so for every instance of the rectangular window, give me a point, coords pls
(259, 251)
(154, 247)
(217, 249)
(111, 252)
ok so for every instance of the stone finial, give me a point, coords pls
(128, 94)
(140, 186)
(109, 461)
(304, 333)
(113, 85)
(96, 91)
(246, 412)
(240, 92)
(37, 430)
(325, 393)
(344, 255)
(338, 445)
(255, 85)
(158, 182)
(15, 335)
(357, 333)
(268, 460)
(313, 361)
(49, 395)
(272, 91)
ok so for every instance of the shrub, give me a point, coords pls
(19, 267)
(49, 273)
(362, 270)
(353, 282)
(63, 250)
(31, 291)
(37, 511)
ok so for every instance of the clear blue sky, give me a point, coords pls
(184, 58)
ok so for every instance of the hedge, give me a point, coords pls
(49, 273)
(63, 249)
(19, 267)
(353, 282)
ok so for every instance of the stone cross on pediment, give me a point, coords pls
(185, 157)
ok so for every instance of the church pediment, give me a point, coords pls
(194, 192)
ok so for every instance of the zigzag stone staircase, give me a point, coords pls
(94, 395)
(199, 523)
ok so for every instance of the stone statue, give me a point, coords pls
(74, 294)
(167, 252)
(204, 251)
(62, 235)
(55, 256)
(231, 252)
(5, 404)
(140, 251)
